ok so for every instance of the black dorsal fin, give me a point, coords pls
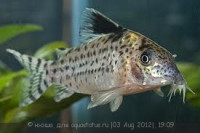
(96, 24)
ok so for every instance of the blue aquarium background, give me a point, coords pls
(174, 24)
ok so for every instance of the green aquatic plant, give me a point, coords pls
(11, 84)
(9, 31)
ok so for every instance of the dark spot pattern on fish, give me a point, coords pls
(66, 68)
(81, 65)
(123, 46)
(92, 63)
(29, 59)
(81, 56)
(61, 70)
(98, 45)
(47, 72)
(70, 84)
(45, 83)
(115, 62)
(85, 47)
(62, 61)
(143, 44)
(99, 51)
(88, 54)
(106, 40)
(70, 59)
(69, 51)
(94, 52)
(54, 70)
(104, 50)
(77, 49)
(93, 45)
(99, 69)
(126, 50)
(40, 91)
(45, 65)
(121, 53)
(127, 37)
(111, 36)
(53, 63)
(52, 79)
(117, 36)
(38, 64)
(76, 58)
(116, 48)
(73, 68)
(31, 96)
(107, 69)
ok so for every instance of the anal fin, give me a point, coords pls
(105, 97)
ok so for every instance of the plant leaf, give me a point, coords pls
(7, 78)
(5, 98)
(9, 31)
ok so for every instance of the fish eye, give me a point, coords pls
(145, 58)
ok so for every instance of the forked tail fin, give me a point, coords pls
(37, 82)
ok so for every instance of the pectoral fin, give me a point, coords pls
(114, 105)
(159, 92)
(104, 97)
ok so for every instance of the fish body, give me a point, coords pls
(112, 61)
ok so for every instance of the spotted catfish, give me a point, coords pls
(113, 61)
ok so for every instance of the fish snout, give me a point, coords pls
(179, 80)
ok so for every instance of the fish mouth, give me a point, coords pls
(180, 85)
